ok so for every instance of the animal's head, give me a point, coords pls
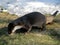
(13, 27)
(10, 28)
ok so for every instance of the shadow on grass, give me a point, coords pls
(54, 34)
(3, 42)
(34, 29)
(51, 32)
(3, 31)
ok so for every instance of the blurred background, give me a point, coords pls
(21, 7)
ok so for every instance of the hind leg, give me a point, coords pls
(43, 27)
(28, 28)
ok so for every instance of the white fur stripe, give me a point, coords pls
(15, 28)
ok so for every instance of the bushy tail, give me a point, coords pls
(55, 13)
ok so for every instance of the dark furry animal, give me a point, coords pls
(27, 21)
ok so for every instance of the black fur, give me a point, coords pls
(29, 20)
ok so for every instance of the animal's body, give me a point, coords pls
(27, 21)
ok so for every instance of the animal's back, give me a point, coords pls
(36, 18)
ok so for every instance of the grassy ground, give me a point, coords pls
(49, 37)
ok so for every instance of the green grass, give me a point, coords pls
(49, 37)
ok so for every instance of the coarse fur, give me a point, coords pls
(27, 21)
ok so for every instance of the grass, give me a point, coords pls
(49, 37)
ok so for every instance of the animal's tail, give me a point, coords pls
(55, 13)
